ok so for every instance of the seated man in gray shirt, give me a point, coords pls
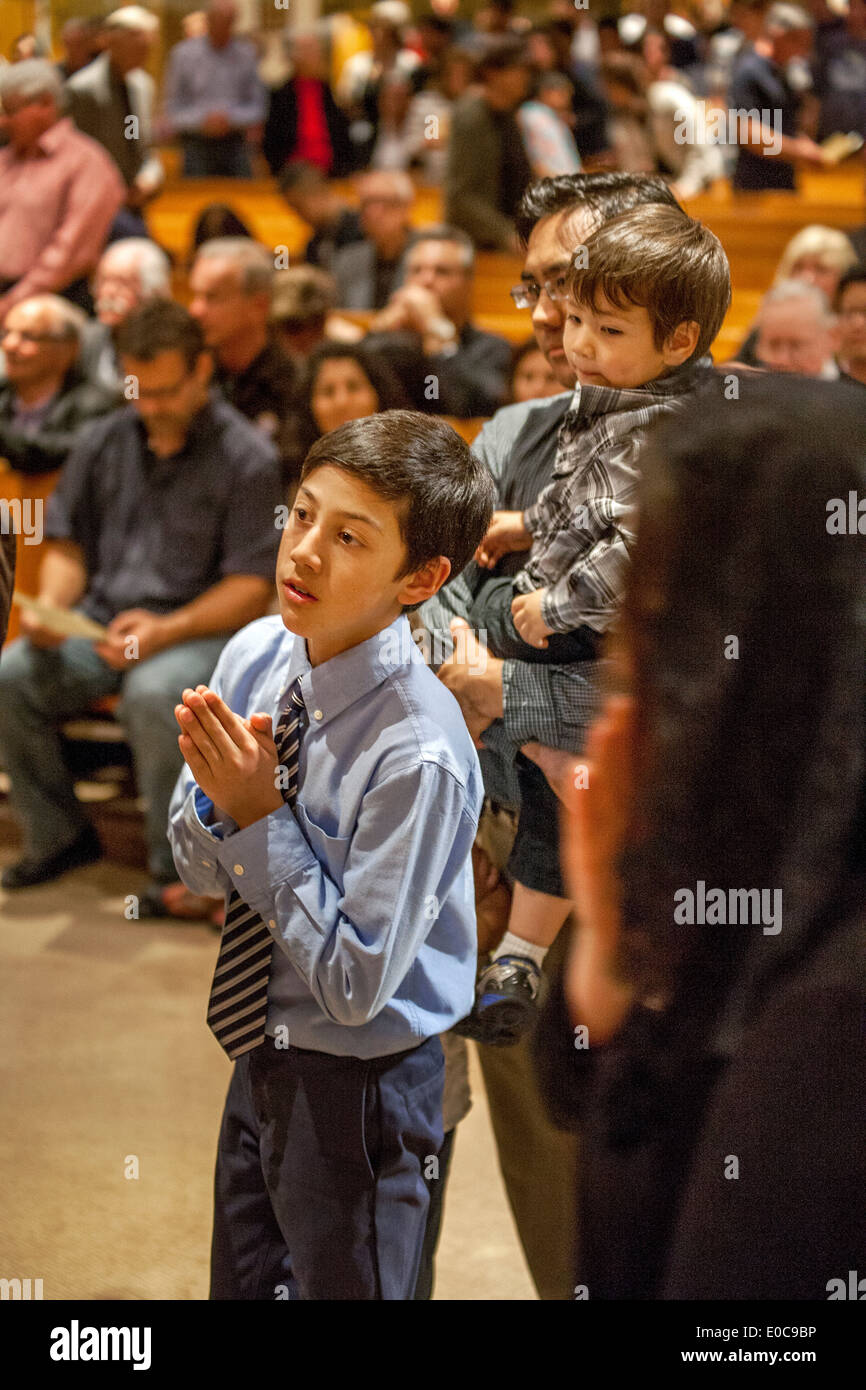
(163, 529)
(449, 365)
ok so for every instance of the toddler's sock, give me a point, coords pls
(512, 945)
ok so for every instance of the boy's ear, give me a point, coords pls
(426, 581)
(681, 343)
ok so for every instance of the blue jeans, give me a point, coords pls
(41, 688)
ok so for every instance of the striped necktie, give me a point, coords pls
(238, 1005)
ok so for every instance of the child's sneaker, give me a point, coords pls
(506, 994)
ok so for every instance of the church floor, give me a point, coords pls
(111, 1096)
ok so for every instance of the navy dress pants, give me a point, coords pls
(320, 1190)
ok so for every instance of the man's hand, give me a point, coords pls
(31, 628)
(474, 678)
(133, 635)
(233, 760)
(505, 533)
(216, 123)
(526, 612)
(410, 308)
(809, 153)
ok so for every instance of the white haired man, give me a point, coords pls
(130, 272)
(45, 398)
(59, 191)
(111, 100)
(797, 331)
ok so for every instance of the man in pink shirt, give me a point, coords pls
(59, 190)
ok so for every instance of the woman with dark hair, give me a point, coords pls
(215, 221)
(531, 376)
(340, 382)
(717, 986)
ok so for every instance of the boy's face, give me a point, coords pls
(338, 564)
(614, 346)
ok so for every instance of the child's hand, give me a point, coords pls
(526, 612)
(233, 760)
(505, 533)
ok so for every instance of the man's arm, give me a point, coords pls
(62, 574)
(62, 582)
(229, 604)
(49, 448)
(183, 113)
(473, 381)
(552, 705)
(93, 198)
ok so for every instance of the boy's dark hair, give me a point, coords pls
(663, 260)
(855, 275)
(158, 326)
(420, 460)
(606, 195)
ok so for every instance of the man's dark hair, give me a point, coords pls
(419, 460)
(502, 51)
(661, 259)
(158, 326)
(855, 275)
(605, 195)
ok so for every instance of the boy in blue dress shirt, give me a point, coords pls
(332, 791)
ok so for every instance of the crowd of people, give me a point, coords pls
(589, 538)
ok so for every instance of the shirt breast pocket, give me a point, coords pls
(332, 851)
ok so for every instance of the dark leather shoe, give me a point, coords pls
(28, 872)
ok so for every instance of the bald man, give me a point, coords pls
(45, 399)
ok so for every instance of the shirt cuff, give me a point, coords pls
(265, 856)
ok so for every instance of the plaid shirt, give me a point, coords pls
(581, 524)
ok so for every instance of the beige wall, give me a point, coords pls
(16, 17)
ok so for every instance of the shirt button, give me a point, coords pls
(317, 714)
(239, 868)
(206, 863)
(271, 922)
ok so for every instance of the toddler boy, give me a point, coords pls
(643, 306)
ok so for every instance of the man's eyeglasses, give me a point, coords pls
(527, 295)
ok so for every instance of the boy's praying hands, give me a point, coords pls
(526, 612)
(233, 760)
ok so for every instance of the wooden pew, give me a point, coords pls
(22, 500)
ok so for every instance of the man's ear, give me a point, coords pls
(681, 343)
(426, 581)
